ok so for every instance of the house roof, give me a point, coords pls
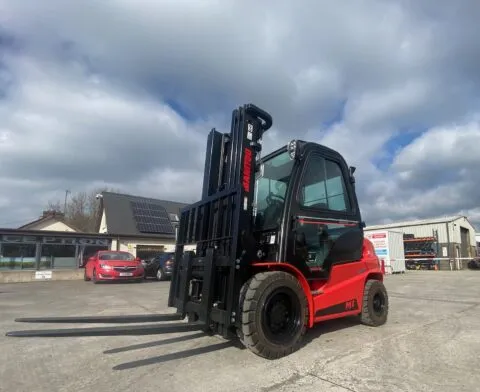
(47, 216)
(444, 219)
(121, 218)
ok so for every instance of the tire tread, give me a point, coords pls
(366, 315)
(249, 296)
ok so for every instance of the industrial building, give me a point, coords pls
(441, 239)
(477, 238)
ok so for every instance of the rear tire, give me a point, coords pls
(375, 304)
(274, 311)
(85, 277)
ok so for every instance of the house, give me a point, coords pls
(49, 221)
(48, 243)
(140, 225)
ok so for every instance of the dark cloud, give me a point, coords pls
(121, 94)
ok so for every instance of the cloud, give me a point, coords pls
(434, 175)
(124, 93)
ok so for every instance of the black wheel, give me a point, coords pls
(274, 313)
(375, 304)
(85, 277)
(94, 276)
(160, 275)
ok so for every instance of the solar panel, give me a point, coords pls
(151, 218)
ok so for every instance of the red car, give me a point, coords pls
(112, 265)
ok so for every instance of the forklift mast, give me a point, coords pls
(205, 283)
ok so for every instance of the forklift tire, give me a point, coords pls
(274, 311)
(375, 304)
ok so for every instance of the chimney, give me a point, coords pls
(53, 214)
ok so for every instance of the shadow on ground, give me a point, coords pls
(315, 333)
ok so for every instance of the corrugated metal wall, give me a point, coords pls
(422, 230)
(452, 236)
(427, 230)
(395, 242)
(455, 231)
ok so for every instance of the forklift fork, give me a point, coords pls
(146, 329)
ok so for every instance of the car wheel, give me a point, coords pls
(94, 277)
(160, 274)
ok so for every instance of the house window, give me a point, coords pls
(57, 256)
(17, 256)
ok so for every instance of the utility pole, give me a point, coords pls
(65, 205)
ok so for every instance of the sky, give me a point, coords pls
(123, 93)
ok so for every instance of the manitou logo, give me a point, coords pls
(247, 169)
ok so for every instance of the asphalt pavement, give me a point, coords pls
(430, 343)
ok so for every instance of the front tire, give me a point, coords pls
(160, 275)
(94, 276)
(274, 311)
(375, 304)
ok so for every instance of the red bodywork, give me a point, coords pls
(341, 294)
(114, 265)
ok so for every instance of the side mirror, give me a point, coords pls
(138, 259)
(352, 170)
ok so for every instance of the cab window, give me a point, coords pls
(323, 186)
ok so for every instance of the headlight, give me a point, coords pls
(292, 149)
(105, 266)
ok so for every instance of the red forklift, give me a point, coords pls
(279, 248)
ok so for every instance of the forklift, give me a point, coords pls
(279, 247)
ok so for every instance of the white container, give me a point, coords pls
(389, 247)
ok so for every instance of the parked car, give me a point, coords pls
(474, 264)
(109, 265)
(160, 266)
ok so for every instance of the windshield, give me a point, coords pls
(270, 187)
(116, 256)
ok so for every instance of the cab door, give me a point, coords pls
(326, 223)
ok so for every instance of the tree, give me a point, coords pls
(81, 210)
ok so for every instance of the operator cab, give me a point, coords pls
(306, 211)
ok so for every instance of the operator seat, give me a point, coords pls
(273, 214)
